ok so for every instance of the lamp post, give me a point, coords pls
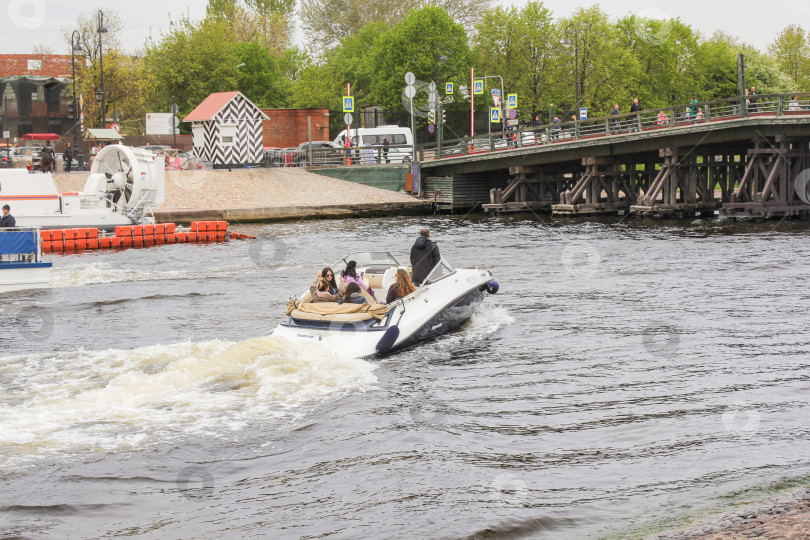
(567, 43)
(101, 30)
(440, 135)
(75, 47)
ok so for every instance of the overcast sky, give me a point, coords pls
(39, 22)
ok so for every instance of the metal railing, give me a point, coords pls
(622, 125)
(333, 157)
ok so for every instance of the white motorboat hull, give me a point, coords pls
(22, 276)
(105, 221)
(433, 310)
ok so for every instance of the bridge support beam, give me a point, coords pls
(768, 187)
(606, 187)
(685, 184)
(529, 188)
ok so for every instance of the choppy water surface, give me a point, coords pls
(630, 374)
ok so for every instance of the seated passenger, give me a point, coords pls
(350, 276)
(401, 287)
(351, 294)
(324, 288)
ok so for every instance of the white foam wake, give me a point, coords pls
(119, 400)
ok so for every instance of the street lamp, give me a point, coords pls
(438, 112)
(75, 47)
(101, 30)
(567, 43)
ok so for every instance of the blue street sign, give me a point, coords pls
(478, 87)
(511, 101)
(495, 115)
(496, 91)
(348, 104)
(583, 113)
(431, 128)
(448, 88)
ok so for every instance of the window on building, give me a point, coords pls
(227, 134)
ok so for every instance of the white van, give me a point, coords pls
(373, 137)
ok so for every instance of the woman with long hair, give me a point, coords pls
(350, 276)
(324, 288)
(402, 287)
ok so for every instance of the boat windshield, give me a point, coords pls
(367, 259)
(440, 271)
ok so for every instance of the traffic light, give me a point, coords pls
(431, 117)
(71, 111)
(444, 118)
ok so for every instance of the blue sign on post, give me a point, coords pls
(495, 115)
(511, 101)
(348, 104)
(478, 87)
(448, 88)
(583, 113)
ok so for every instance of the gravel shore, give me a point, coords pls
(254, 188)
(788, 518)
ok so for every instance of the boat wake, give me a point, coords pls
(122, 400)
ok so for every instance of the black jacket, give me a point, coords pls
(424, 256)
(634, 107)
(8, 221)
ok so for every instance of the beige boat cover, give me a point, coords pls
(332, 311)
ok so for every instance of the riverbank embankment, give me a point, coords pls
(266, 194)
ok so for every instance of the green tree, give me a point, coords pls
(416, 45)
(260, 76)
(190, 62)
(791, 49)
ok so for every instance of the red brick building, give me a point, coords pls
(35, 93)
(288, 127)
(57, 66)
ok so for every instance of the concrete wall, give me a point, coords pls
(390, 177)
(288, 127)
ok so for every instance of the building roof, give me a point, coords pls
(103, 134)
(214, 103)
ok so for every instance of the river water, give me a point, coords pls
(630, 375)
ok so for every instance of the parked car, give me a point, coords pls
(323, 153)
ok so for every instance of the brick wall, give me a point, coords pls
(288, 127)
(51, 65)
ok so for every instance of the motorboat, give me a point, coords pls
(123, 186)
(442, 303)
(21, 265)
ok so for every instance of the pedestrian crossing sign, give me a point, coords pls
(478, 87)
(511, 101)
(495, 115)
(448, 88)
(348, 104)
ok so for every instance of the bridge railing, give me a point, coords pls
(677, 116)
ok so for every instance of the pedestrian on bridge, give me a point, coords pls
(753, 100)
(634, 108)
(555, 128)
(616, 124)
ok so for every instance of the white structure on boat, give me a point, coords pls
(227, 130)
(21, 265)
(123, 186)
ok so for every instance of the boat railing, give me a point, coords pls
(20, 244)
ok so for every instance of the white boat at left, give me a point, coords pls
(21, 265)
(123, 186)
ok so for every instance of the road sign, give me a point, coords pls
(583, 113)
(512, 123)
(117, 127)
(431, 128)
(174, 121)
(410, 78)
(495, 115)
(410, 91)
(478, 87)
(174, 108)
(448, 88)
(348, 104)
(6, 134)
(495, 91)
(433, 96)
(432, 86)
(512, 114)
(347, 118)
(511, 101)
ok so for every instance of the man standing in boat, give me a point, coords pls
(424, 257)
(7, 220)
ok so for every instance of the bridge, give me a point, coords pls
(719, 156)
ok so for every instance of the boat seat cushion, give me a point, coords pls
(326, 310)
